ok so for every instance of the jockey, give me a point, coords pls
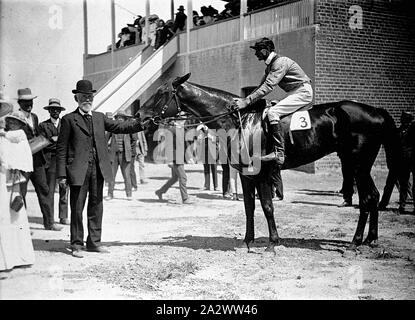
(292, 79)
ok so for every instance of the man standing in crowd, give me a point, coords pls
(120, 150)
(407, 165)
(38, 176)
(208, 153)
(180, 20)
(177, 165)
(140, 152)
(83, 163)
(50, 128)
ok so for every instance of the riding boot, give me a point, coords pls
(277, 144)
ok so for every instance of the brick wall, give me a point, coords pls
(374, 64)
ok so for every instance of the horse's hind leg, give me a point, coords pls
(265, 196)
(368, 203)
(248, 187)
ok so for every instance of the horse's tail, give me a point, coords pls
(391, 142)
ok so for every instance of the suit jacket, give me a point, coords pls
(49, 130)
(129, 143)
(31, 132)
(73, 147)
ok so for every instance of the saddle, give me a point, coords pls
(300, 119)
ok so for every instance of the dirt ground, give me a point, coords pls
(167, 250)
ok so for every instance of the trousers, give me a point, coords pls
(39, 181)
(177, 174)
(294, 100)
(93, 185)
(120, 161)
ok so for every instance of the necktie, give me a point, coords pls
(88, 120)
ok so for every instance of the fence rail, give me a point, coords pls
(274, 20)
(279, 19)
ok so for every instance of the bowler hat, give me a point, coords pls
(84, 86)
(181, 8)
(5, 105)
(54, 103)
(25, 94)
(263, 43)
(18, 115)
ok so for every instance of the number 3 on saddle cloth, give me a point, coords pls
(300, 120)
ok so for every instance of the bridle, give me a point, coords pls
(158, 119)
(161, 120)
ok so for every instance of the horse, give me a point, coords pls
(354, 130)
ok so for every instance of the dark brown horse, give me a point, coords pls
(354, 130)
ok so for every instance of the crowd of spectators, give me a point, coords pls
(161, 31)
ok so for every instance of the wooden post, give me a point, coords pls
(147, 25)
(189, 24)
(244, 9)
(85, 33)
(112, 35)
(172, 9)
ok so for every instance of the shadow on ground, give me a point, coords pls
(311, 192)
(205, 243)
(319, 203)
(208, 196)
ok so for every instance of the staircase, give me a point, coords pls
(130, 82)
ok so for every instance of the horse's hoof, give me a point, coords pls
(246, 245)
(271, 249)
(352, 247)
(373, 243)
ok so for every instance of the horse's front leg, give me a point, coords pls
(372, 200)
(265, 196)
(248, 188)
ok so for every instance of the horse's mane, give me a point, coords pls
(215, 91)
(253, 108)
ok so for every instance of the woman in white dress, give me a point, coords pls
(16, 248)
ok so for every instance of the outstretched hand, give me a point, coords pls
(241, 102)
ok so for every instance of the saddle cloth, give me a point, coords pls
(300, 119)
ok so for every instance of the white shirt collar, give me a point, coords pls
(28, 117)
(55, 122)
(270, 57)
(26, 114)
(83, 113)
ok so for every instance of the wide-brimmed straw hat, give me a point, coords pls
(18, 115)
(25, 94)
(54, 103)
(5, 105)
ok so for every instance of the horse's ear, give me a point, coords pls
(179, 80)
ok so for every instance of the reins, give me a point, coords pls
(159, 120)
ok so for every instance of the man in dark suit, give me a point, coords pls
(50, 129)
(83, 163)
(38, 176)
(121, 151)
